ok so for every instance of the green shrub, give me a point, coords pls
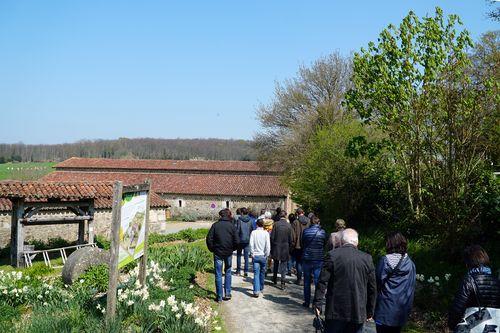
(96, 277)
(38, 269)
(189, 235)
(102, 242)
(175, 257)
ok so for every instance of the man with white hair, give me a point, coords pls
(349, 276)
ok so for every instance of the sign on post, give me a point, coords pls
(132, 227)
(129, 235)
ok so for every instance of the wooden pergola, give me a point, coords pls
(29, 199)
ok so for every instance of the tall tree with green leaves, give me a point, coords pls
(416, 85)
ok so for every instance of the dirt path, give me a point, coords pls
(277, 311)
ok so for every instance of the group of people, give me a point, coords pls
(349, 290)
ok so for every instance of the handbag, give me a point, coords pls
(479, 319)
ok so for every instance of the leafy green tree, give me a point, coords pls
(416, 85)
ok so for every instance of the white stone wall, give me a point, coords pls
(102, 226)
(200, 206)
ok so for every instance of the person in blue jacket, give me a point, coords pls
(313, 245)
(244, 229)
(396, 277)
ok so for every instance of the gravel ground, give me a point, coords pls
(276, 311)
(173, 227)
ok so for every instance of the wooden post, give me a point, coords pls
(114, 251)
(16, 233)
(90, 223)
(81, 232)
(144, 260)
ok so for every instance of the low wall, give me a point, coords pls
(102, 226)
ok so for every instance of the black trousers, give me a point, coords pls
(281, 267)
(388, 329)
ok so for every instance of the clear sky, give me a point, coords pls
(72, 70)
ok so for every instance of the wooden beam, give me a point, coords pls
(144, 260)
(60, 204)
(114, 251)
(54, 220)
(16, 233)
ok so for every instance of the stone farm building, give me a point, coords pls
(194, 188)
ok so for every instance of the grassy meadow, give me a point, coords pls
(25, 170)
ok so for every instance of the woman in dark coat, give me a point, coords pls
(281, 245)
(396, 277)
(478, 286)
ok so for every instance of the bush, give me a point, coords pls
(189, 235)
(102, 242)
(96, 277)
(176, 257)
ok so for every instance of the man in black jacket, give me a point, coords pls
(281, 245)
(222, 240)
(348, 278)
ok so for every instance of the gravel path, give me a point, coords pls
(277, 311)
(173, 227)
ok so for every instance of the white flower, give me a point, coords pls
(178, 316)
(45, 304)
(98, 307)
(436, 278)
(162, 303)
(437, 283)
(39, 297)
(130, 302)
(431, 280)
(217, 328)
(175, 308)
(191, 286)
(171, 300)
(103, 311)
(82, 280)
(447, 276)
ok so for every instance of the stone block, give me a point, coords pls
(81, 260)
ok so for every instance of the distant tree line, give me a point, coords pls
(143, 148)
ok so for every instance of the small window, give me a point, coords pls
(227, 204)
(181, 203)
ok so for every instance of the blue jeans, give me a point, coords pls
(218, 261)
(245, 248)
(338, 326)
(259, 272)
(311, 267)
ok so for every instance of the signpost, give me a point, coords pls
(129, 235)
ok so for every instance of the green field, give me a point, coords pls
(25, 170)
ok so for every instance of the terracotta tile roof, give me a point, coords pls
(166, 165)
(174, 183)
(101, 192)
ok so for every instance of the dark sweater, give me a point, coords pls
(222, 239)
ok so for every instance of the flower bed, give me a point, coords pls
(170, 301)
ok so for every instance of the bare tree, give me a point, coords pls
(300, 105)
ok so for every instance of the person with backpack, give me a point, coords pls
(396, 276)
(222, 239)
(244, 228)
(313, 244)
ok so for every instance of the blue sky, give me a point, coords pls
(72, 70)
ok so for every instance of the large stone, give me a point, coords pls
(81, 260)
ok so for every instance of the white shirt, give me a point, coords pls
(260, 243)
